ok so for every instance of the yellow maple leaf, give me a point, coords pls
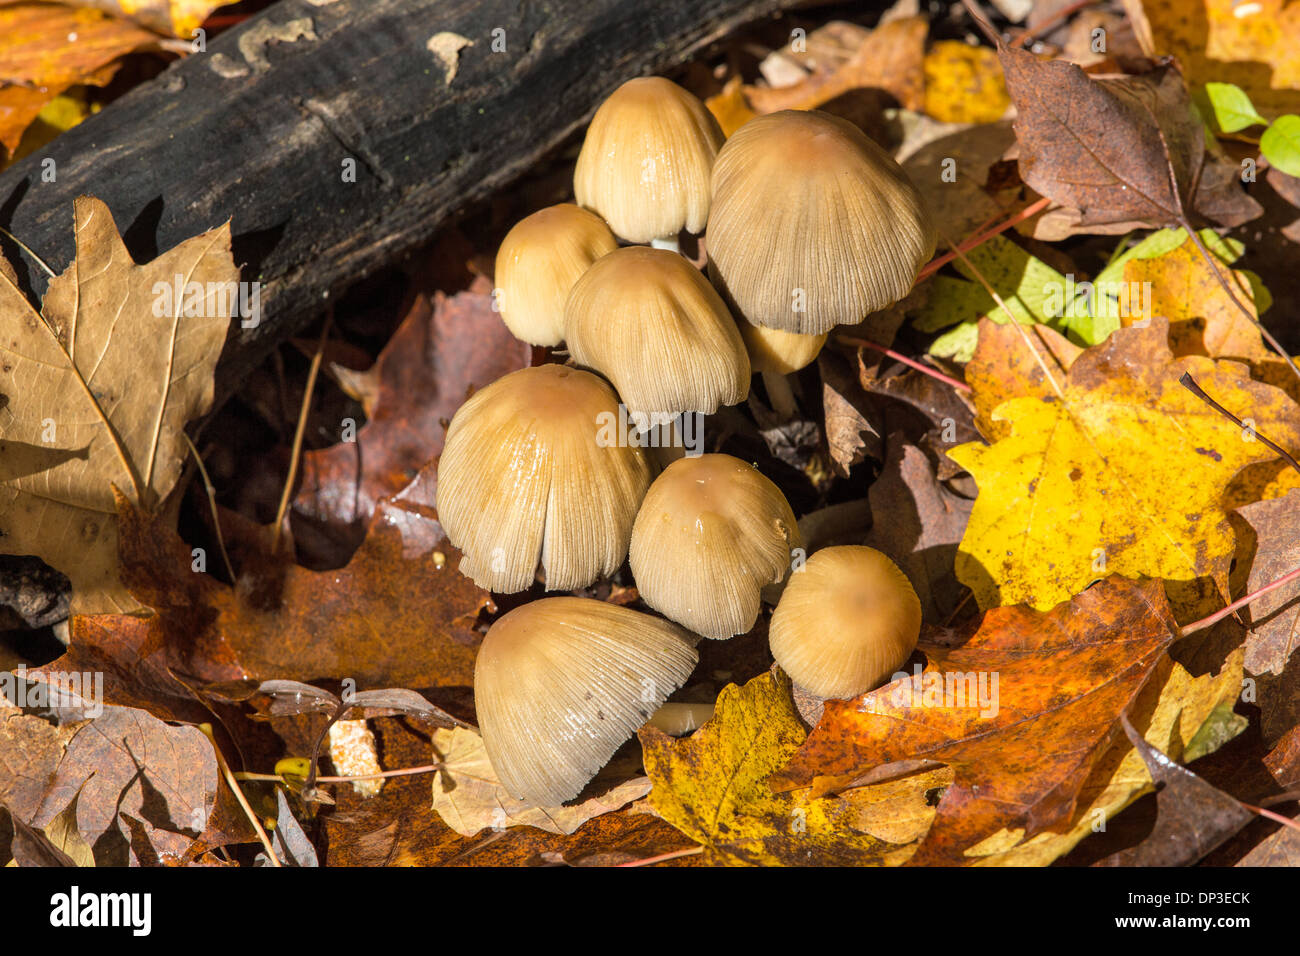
(712, 786)
(1122, 472)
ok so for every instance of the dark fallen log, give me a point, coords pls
(260, 128)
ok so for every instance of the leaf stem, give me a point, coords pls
(913, 363)
(239, 795)
(1239, 603)
(212, 504)
(296, 453)
(1189, 383)
(979, 238)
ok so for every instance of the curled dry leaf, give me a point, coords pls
(1275, 616)
(1193, 816)
(1120, 150)
(469, 797)
(128, 762)
(919, 523)
(96, 393)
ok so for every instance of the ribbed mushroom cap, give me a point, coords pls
(710, 534)
(648, 321)
(777, 352)
(846, 622)
(523, 479)
(537, 264)
(561, 683)
(646, 160)
(812, 224)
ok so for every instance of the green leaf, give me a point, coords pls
(1233, 110)
(1280, 144)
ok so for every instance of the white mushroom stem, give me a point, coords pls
(780, 395)
(679, 719)
(669, 242)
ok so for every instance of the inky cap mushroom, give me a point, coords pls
(645, 163)
(846, 622)
(812, 224)
(710, 534)
(524, 479)
(537, 264)
(774, 352)
(648, 321)
(561, 683)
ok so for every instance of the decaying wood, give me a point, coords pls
(436, 103)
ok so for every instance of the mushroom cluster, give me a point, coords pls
(809, 225)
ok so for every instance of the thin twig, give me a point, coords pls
(296, 453)
(676, 854)
(239, 795)
(979, 238)
(1011, 317)
(1189, 383)
(897, 356)
(404, 772)
(212, 505)
(1241, 602)
(1284, 820)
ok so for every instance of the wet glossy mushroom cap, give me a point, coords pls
(523, 480)
(711, 533)
(561, 683)
(645, 163)
(846, 622)
(779, 353)
(648, 321)
(812, 224)
(539, 261)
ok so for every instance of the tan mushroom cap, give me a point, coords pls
(646, 160)
(779, 353)
(648, 321)
(523, 480)
(711, 533)
(561, 683)
(812, 224)
(846, 622)
(539, 261)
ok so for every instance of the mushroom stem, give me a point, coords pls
(679, 719)
(780, 395)
(668, 242)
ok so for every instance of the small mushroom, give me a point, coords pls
(650, 322)
(539, 261)
(561, 683)
(524, 479)
(645, 163)
(812, 224)
(711, 533)
(775, 354)
(846, 621)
